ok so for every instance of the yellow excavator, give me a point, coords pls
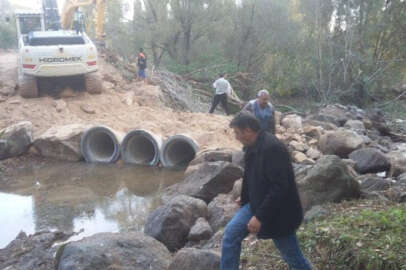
(69, 8)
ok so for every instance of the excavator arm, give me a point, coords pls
(69, 10)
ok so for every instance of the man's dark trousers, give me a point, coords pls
(216, 100)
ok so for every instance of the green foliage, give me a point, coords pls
(356, 235)
(8, 35)
(327, 50)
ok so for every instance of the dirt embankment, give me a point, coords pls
(122, 106)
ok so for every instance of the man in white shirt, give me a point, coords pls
(223, 88)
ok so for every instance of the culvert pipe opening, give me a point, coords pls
(141, 147)
(100, 145)
(178, 151)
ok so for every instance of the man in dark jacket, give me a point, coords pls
(270, 204)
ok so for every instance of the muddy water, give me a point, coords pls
(79, 197)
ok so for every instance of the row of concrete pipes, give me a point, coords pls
(102, 145)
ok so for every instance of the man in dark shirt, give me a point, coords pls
(270, 204)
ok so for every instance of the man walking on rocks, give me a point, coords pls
(263, 111)
(270, 204)
(223, 88)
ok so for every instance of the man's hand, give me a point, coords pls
(254, 225)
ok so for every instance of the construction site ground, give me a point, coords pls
(122, 105)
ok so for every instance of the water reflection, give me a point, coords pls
(76, 196)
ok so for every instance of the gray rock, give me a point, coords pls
(402, 178)
(327, 181)
(16, 140)
(223, 154)
(3, 149)
(61, 142)
(292, 121)
(315, 212)
(221, 211)
(334, 114)
(370, 183)
(208, 180)
(31, 252)
(215, 241)
(114, 251)
(171, 223)
(191, 258)
(324, 125)
(200, 231)
(313, 153)
(398, 162)
(340, 142)
(356, 125)
(370, 160)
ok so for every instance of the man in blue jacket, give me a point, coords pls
(270, 204)
(263, 110)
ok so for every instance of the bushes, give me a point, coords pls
(8, 36)
(364, 235)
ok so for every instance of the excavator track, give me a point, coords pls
(93, 84)
(28, 86)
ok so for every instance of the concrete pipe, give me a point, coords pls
(178, 151)
(141, 147)
(100, 145)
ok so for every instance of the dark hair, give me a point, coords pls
(141, 49)
(221, 75)
(245, 120)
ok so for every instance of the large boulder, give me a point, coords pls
(398, 162)
(61, 142)
(15, 140)
(196, 259)
(370, 160)
(171, 223)
(31, 252)
(340, 142)
(132, 250)
(209, 179)
(221, 211)
(335, 114)
(327, 181)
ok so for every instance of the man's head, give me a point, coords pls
(141, 50)
(263, 97)
(222, 75)
(246, 128)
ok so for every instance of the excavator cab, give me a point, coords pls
(28, 22)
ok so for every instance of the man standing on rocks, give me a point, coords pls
(270, 204)
(223, 88)
(263, 111)
(142, 65)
